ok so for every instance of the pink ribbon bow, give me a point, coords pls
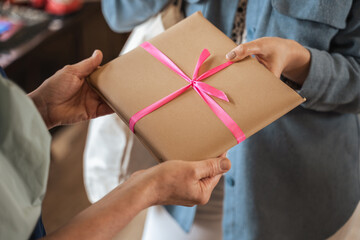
(203, 89)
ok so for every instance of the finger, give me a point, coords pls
(212, 167)
(244, 50)
(87, 66)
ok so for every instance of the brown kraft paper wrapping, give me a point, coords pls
(186, 128)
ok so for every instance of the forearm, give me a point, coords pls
(172, 182)
(106, 218)
(333, 83)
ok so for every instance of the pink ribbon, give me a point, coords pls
(203, 89)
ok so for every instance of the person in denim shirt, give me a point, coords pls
(299, 177)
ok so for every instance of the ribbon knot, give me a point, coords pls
(203, 89)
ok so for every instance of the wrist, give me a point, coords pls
(151, 192)
(143, 187)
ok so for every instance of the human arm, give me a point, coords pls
(124, 15)
(333, 78)
(66, 97)
(173, 182)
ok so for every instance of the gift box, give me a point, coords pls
(180, 116)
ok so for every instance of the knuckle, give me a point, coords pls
(68, 68)
(239, 48)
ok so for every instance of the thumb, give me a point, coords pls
(212, 167)
(244, 50)
(87, 66)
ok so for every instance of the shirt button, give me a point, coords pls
(230, 181)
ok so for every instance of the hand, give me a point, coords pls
(281, 56)
(172, 182)
(66, 97)
(179, 182)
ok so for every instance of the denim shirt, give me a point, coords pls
(298, 178)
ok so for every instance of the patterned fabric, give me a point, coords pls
(238, 34)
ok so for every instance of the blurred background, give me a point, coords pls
(37, 38)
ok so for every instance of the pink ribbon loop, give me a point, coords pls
(211, 90)
(203, 89)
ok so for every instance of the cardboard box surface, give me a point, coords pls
(186, 128)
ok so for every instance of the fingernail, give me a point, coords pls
(231, 55)
(95, 53)
(225, 164)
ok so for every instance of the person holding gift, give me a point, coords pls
(66, 98)
(298, 177)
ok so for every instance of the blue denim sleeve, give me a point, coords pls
(333, 83)
(124, 15)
